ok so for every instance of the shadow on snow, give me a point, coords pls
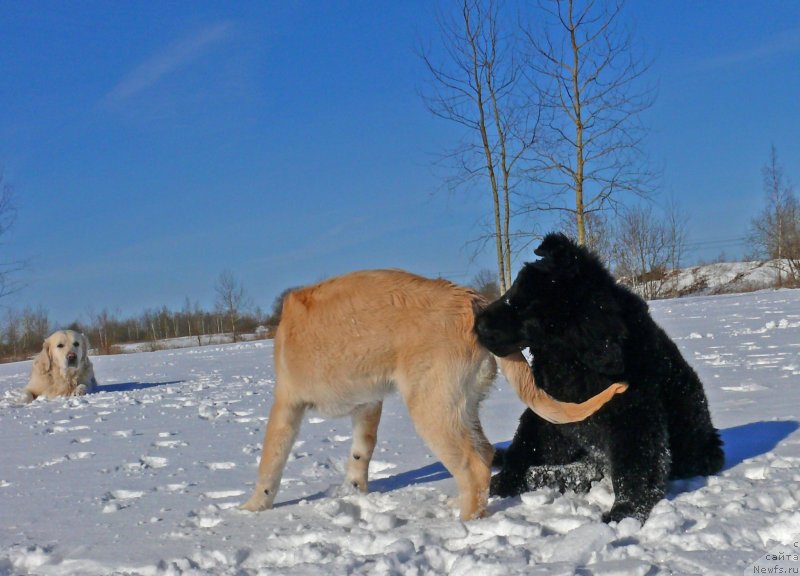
(754, 439)
(131, 386)
(741, 443)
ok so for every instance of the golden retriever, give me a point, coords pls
(345, 343)
(62, 368)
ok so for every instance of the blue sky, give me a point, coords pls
(153, 145)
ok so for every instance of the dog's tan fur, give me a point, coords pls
(52, 375)
(343, 344)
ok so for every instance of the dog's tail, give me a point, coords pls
(518, 373)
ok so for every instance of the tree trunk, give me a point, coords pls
(580, 216)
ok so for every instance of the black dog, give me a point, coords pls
(585, 332)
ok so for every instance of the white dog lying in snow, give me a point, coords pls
(62, 368)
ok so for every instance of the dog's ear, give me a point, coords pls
(554, 245)
(44, 360)
(558, 253)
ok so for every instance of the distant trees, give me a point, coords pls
(645, 250)
(775, 231)
(105, 334)
(22, 332)
(485, 284)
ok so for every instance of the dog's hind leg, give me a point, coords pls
(282, 427)
(441, 416)
(366, 418)
(487, 373)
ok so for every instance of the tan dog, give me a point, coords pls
(62, 368)
(345, 343)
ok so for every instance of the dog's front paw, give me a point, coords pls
(545, 477)
(504, 484)
(576, 476)
(80, 390)
(622, 510)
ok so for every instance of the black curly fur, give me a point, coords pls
(585, 332)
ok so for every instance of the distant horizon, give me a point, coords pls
(745, 280)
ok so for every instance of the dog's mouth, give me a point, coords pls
(72, 359)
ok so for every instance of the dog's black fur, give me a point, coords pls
(586, 332)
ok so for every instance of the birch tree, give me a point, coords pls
(477, 85)
(588, 77)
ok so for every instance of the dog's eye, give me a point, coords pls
(76, 344)
(60, 346)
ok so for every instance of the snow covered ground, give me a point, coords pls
(143, 477)
(725, 278)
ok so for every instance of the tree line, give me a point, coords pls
(24, 330)
(233, 316)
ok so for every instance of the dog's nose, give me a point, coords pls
(72, 356)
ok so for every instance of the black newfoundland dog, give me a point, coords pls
(585, 331)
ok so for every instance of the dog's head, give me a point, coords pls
(566, 290)
(65, 350)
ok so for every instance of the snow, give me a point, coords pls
(144, 476)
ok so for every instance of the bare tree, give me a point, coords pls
(232, 299)
(588, 77)
(775, 232)
(479, 87)
(196, 320)
(677, 228)
(485, 284)
(642, 250)
(8, 215)
(103, 330)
